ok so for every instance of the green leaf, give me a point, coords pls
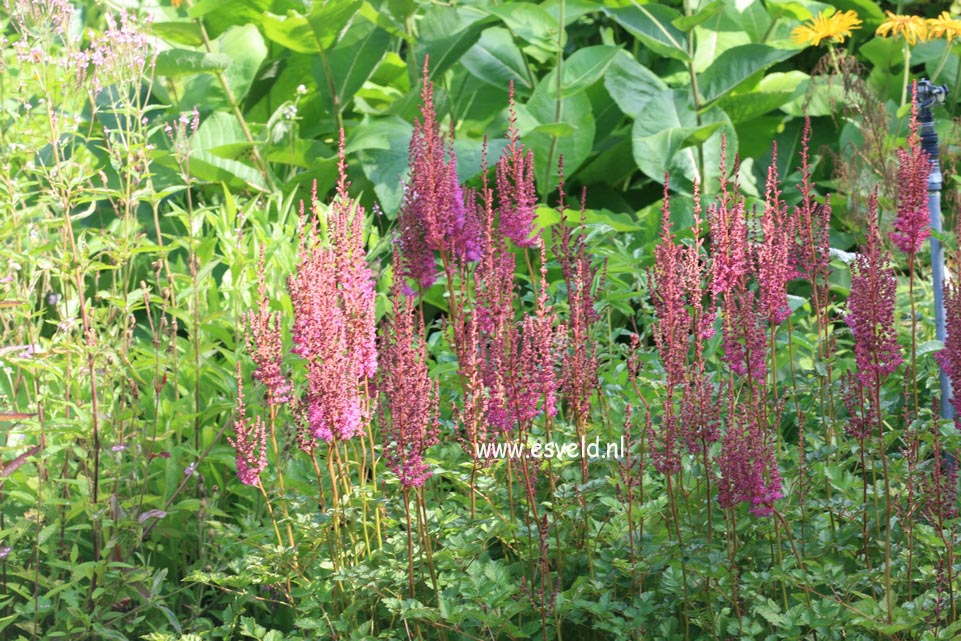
(665, 134)
(631, 84)
(687, 23)
(774, 90)
(751, 17)
(574, 144)
(176, 62)
(497, 60)
(350, 64)
(554, 129)
(245, 48)
(585, 67)
(312, 33)
(652, 25)
(736, 65)
(382, 148)
(329, 20)
(446, 34)
(929, 346)
(529, 22)
(180, 32)
(291, 31)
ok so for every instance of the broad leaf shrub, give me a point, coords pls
(230, 415)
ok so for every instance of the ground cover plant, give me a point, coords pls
(397, 320)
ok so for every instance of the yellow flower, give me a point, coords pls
(944, 26)
(911, 28)
(834, 28)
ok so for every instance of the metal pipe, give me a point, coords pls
(928, 96)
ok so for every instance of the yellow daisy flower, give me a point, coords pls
(944, 26)
(822, 27)
(911, 28)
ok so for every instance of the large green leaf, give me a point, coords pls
(312, 33)
(736, 65)
(773, 91)
(585, 67)
(665, 136)
(246, 50)
(751, 17)
(350, 64)
(497, 60)
(221, 15)
(708, 11)
(382, 147)
(180, 32)
(569, 131)
(631, 84)
(177, 62)
(529, 22)
(446, 34)
(652, 24)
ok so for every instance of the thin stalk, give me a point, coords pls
(410, 543)
(280, 475)
(889, 596)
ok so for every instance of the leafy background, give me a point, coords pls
(131, 233)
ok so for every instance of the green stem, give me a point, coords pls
(907, 73)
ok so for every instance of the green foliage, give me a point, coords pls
(129, 246)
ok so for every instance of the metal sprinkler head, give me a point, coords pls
(930, 94)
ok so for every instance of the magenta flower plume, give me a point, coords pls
(813, 223)
(265, 344)
(871, 309)
(515, 187)
(729, 237)
(671, 330)
(773, 255)
(355, 279)
(531, 373)
(334, 322)
(433, 216)
(749, 471)
(668, 287)
(408, 396)
(911, 228)
(250, 441)
(580, 361)
(745, 347)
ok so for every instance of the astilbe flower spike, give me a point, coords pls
(672, 321)
(773, 256)
(515, 187)
(749, 471)
(433, 216)
(250, 440)
(408, 395)
(580, 361)
(333, 299)
(265, 344)
(813, 223)
(911, 228)
(871, 309)
(729, 236)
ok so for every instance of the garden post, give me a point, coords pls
(929, 95)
